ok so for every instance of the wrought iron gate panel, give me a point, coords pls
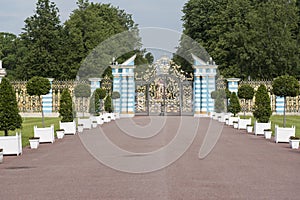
(187, 98)
(163, 90)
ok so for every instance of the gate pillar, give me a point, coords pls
(123, 83)
(204, 84)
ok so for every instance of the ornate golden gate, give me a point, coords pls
(164, 90)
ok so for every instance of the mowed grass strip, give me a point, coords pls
(29, 123)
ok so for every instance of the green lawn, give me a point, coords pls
(27, 129)
(290, 121)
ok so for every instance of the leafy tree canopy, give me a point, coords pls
(285, 86)
(82, 90)
(246, 92)
(38, 86)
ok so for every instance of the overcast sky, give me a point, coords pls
(146, 13)
(164, 14)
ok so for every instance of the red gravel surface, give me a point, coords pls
(240, 166)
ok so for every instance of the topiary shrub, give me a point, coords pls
(10, 118)
(66, 106)
(115, 95)
(219, 96)
(234, 105)
(262, 107)
(285, 86)
(107, 104)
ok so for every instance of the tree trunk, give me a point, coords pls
(5, 132)
(43, 120)
(245, 108)
(82, 107)
(284, 118)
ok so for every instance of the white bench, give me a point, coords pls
(283, 134)
(11, 144)
(242, 123)
(69, 127)
(45, 134)
(87, 123)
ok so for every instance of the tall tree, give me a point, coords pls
(9, 112)
(273, 48)
(8, 51)
(42, 37)
(89, 25)
(246, 38)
